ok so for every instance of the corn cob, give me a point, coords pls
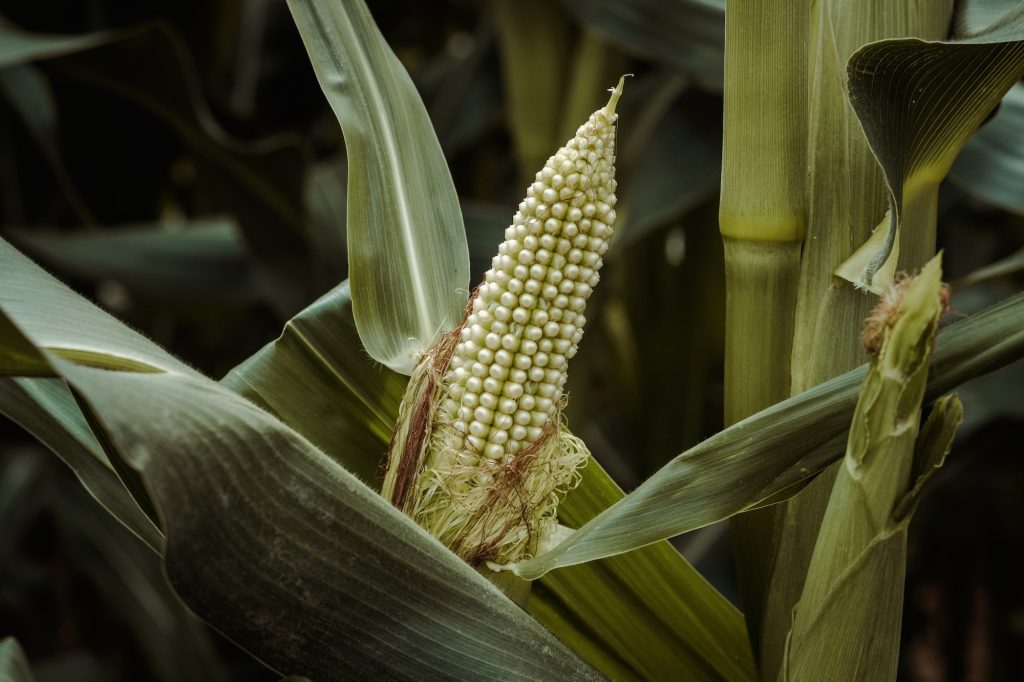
(480, 455)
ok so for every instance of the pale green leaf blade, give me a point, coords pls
(767, 455)
(53, 317)
(991, 165)
(408, 259)
(919, 102)
(317, 379)
(13, 664)
(46, 409)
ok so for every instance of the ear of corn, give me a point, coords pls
(480, 456)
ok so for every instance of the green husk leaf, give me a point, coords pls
(946, 91)
(754, 461)
(408, 259)
(847, 622)
(13, 664)
(271, 541)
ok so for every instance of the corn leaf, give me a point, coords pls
(21, 47)
(991, 165)
(46, 409)
(204, 259)
(268, 539)
(847, 622)
(686, 34)
(13, 664)
(764, 458)
(945, 90)
(408, 259)
(316, 379)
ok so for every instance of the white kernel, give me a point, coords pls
(566, 286)
(581, 241)
(485, 356)
(507, 406)
(474, 385)
(503, 357)
(570, 229)
(534, 433)
(469, 399)
(459, 425)
(521, 272)
(574, 214)
(528, 347)
(549, 196)
(527, 402)
(556, 361)
(539, 317)
(563, 247)
(523, 362)
(509, 342)
(521, 315)
(515, 285)
(557, 210)
(552, 376)
(492, 341)
(522, 417)
(533, 332)
(543, 256)
(478, 429)
(562, 346)
(571, 271)
(538, 271)
(502, 313)
(491, 385)
(498, 372)
(577, 336)
(502, 421)
(512, 389)
(475, 442)
(552, 226)
(517, 376)
(532, 286)
(544, 345)
(499, 436)
(492, 451)
(548, 242)
(483, 414)
(530, 243)
(549, 291)
(546, 390)
(560, 301)
(556, 314)
(578, 303)
(540, 359)
(545, 405)
(528, 301)
(594, 279)
(536, 374)
(557, 180)
(518, 433)
(465, 413)
(552, 329)
(589, 209)
(566, 331)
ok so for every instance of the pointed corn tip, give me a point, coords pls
(609, 109)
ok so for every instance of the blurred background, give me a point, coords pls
(176, 162)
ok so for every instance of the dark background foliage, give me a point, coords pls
(186, 173)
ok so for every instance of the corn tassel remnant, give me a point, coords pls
(480, 456)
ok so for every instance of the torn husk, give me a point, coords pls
(480, 456)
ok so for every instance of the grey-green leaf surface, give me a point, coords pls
(408, 259)
(991, 165)
(316, 379)
(686, 34)
(202, 259)
(21, 47)
(46, 409)
(919, 102)
(767, 455)
(275, 544)
(13, 664)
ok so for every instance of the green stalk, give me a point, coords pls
(762, 223)
(846, 198)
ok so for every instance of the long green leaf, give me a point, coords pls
(764, 457)
(276, 545)
(13, 664)
(46, 409)
(317, 379)
(919, 102)
(686, 34)
(204, 259)
(408, 259)
(22, 47)
(649, 613)
(991, 165)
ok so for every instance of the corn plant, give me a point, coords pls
(390, 489)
